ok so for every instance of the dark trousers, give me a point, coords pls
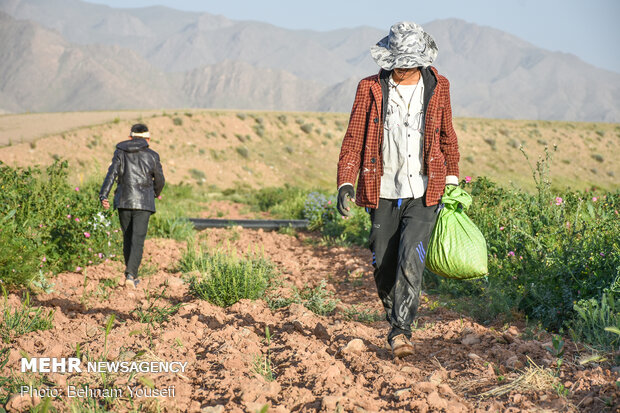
(134, 223)
(399, 238)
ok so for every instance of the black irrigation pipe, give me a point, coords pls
(269, 224)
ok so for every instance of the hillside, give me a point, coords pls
(225, 149)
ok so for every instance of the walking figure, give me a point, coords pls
(402, 148)
(140, 178)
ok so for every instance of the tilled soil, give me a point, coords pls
(318, 363)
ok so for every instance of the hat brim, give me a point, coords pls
(384, 57)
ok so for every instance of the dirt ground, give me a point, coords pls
(319, 363)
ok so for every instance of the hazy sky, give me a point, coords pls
(586, 28)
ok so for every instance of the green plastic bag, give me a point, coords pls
(457, 248)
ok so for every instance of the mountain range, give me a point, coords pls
(64, 55)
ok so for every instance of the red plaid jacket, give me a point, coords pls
(360, 154)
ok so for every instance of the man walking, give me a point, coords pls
(140, 180)
(401, 146)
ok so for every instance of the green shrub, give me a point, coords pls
(242, 115)
(546, 251)
(283, 118)
(48, 226)
(307, 127)
(243, 151)
(177, 121)
(318, 299)
(224, 279)
(173, 227)
(593, 316)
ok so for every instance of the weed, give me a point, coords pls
(153, 314)
(307, 128)
(223, 279)
(177, 121)
(318, 299)
(363, 315)
(288, 230)
(598, 157)
(242, 116)
(491, 142)
(593, 319)
(198, 175)
(283, 118)
(23, 320)
(178, 228)
(147, 269)
(289, 149)
(262, 364)
(243, 151)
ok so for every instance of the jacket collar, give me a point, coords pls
(380, 90)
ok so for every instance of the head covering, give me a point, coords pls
(407, 46)
(140, 130)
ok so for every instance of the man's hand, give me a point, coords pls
(105, 203)
(345, 193)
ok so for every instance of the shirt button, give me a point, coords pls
(437, 130)
(376, 120)
(410, 156)
(410, 176)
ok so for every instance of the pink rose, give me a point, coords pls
(594, 199)
(467, 179)
(558, 200)
(87, 234)
(77, 189)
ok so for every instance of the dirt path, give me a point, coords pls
(320, 363)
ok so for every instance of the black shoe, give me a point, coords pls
(131, 281)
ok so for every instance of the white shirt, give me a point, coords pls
(402, 143)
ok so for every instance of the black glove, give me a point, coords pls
(345, 193)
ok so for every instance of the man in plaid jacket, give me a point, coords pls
(401, 146)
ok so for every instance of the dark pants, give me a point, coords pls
(399, 238)
(134, 223)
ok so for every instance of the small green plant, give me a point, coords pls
(147, 269)
(596, 320)
(557, 350)
(307, 128)
(243, 151)
(598, 157)
(242, 115)
(156, 312)
(177, 121)
(24, 319)
(178, 228)
(363, 315)
(223, 279)
(262, 364)
(283, 118)
(318, 299)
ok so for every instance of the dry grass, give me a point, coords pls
(277, 147)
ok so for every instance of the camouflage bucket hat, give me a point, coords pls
(407, 46)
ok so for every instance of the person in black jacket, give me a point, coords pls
(140, 178)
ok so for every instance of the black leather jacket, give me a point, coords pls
(139, 174)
